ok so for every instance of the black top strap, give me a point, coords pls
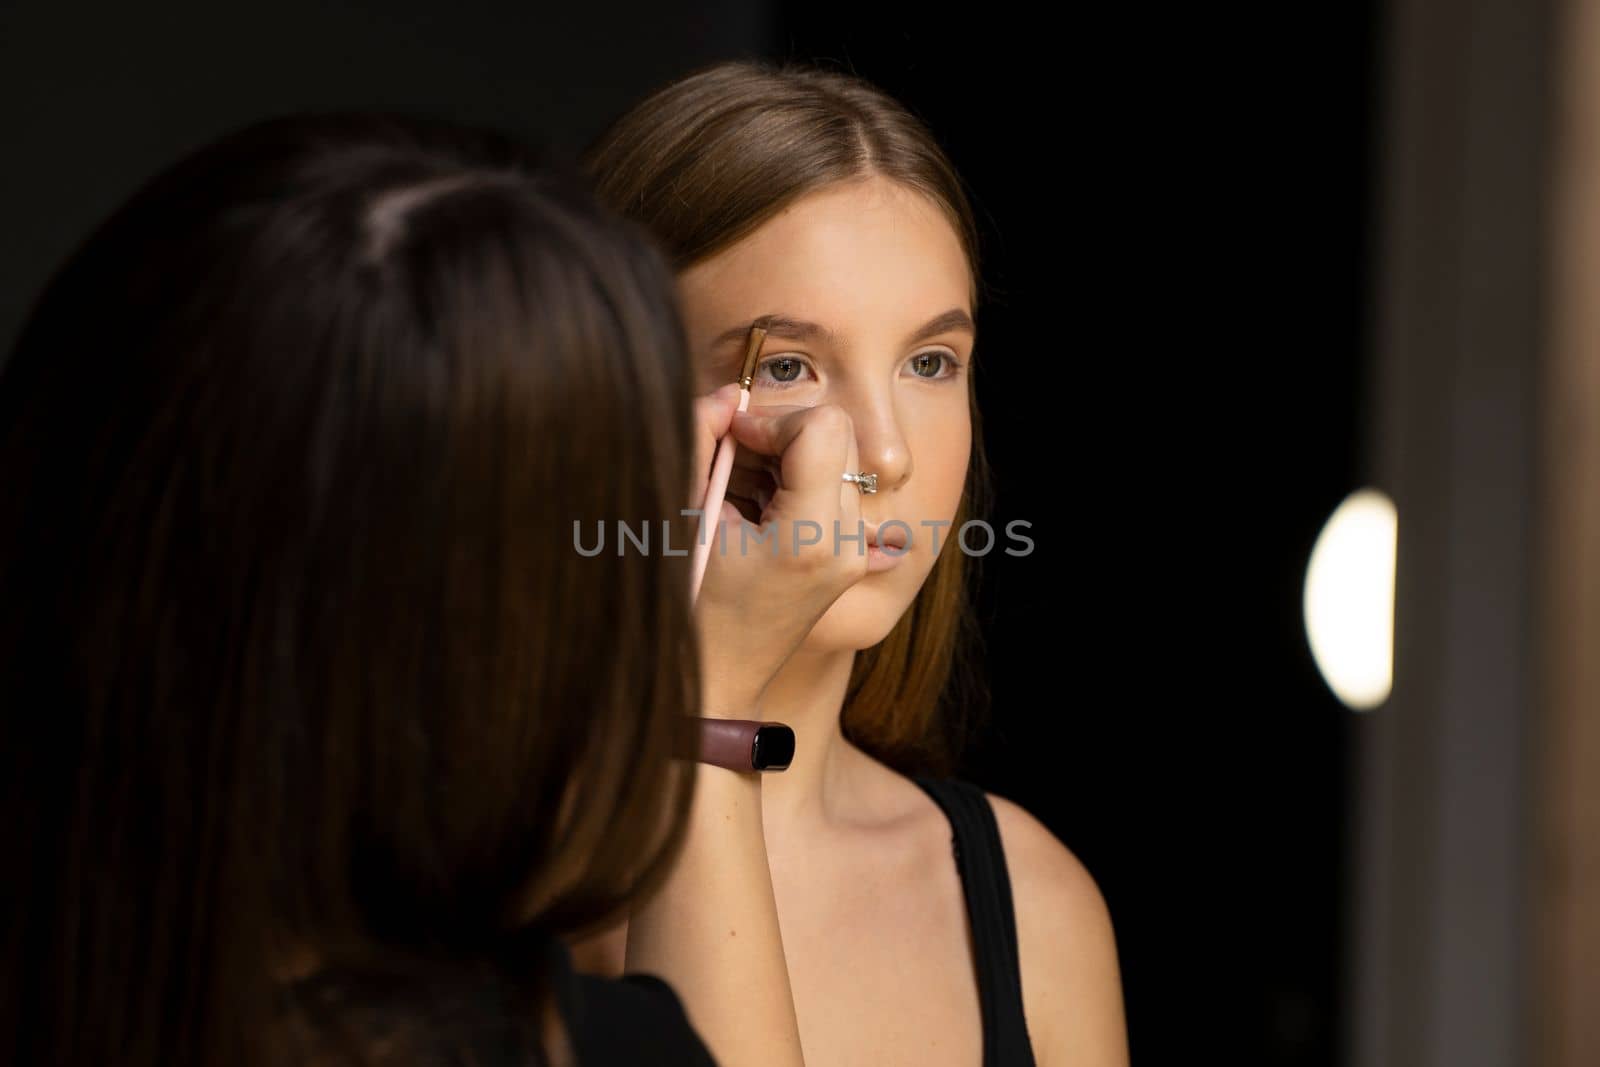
(980, 858)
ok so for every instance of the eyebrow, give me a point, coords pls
(795, 329)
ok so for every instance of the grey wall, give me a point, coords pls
(97, 97)
(1441, 843)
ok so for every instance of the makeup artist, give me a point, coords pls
(317, 736)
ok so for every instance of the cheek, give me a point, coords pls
(942, 452)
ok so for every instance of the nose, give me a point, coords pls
(880, 440)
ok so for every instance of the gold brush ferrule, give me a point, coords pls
(752, 350)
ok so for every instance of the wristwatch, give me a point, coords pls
(737, 744)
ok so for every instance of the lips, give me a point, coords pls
(893, 537)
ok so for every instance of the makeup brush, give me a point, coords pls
(722, 466)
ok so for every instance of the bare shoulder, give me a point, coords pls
(1071, 982)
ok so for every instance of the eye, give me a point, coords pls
(780, 370)
(934, 364)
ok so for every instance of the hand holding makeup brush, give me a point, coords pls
(766, 586)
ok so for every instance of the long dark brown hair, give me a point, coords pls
(703, 162)
(305, 692)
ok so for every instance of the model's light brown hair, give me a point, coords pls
(705, 161)
(314, 724)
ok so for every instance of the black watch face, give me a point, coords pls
(773, 749)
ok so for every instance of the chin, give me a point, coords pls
(863, 616)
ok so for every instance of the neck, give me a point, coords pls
(808, 694)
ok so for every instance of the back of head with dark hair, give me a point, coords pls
(300, 674)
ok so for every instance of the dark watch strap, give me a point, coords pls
(737, 744)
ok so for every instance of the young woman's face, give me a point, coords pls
(881, 275)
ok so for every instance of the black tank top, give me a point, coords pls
(987, 887)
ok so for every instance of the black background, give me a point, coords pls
(1176, 204)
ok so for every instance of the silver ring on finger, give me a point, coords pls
(867, 483)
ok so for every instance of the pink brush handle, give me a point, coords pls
(716, 490)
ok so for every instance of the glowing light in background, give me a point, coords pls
(1349, 599)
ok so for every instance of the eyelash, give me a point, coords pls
(951, 365)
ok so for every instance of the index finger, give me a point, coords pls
(813, 445)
